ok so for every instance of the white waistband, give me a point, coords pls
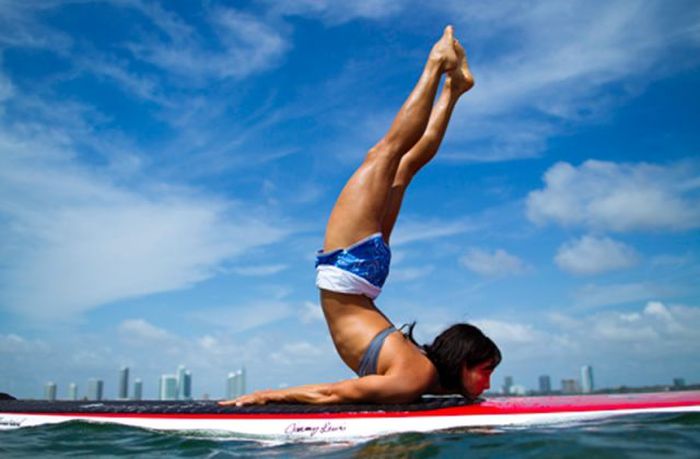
(335, 279)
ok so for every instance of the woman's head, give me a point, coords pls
(464, 358)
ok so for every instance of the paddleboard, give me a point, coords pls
(342, 422)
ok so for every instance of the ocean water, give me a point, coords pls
(642, 436)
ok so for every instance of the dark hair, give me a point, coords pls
(458, 345)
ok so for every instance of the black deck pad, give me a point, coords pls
(211, 407)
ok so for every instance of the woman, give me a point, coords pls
(354, 263)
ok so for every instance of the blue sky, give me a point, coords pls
(166, 171)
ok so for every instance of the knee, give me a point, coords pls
(405, 173)
(385, 149)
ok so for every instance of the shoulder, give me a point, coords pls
(410, 368)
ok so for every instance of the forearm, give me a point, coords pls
(316, 394)
(368, 389)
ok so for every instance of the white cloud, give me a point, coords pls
(247, 45)
(619, 196)
(79, 240)
(338, 12)
(244, 317)
(74, 259)
(142, 86)
(311, 312)
(655, 341)
(658, 328)
(140, 331)
(6, 89)
(596, 295)
(299, 352)
(151, 350)
(507, 332)
(492, 263)
(413, 230)
(15, 344)
(557, 66)
(593, 255)
(409, 274)
(262, 270)
(19, 27)
(671, 260)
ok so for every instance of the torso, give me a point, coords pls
(354, 320)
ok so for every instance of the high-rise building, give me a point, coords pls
(235, 384)
(95, 389)
(678, 383)
(187, 386)
(124, 383)
(569, 386)
(507, 384)
(138, 389)
(231, 389)
(587, 379)
(181, 371)
(168, 387)
(545, 384)
(72, 391)
(50, 391)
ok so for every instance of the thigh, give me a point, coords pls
(360, 208)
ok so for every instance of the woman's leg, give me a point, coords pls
(457, 82)
(361, 206)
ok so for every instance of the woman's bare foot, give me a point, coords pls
(444, 52)
(461, 77)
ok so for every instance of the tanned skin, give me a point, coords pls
(370, 203)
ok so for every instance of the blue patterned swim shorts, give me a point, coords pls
(361, 268)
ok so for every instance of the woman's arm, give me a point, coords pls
(374, 388)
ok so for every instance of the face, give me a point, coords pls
(476, 379)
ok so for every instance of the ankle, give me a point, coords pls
(453, 89)
(436, 64)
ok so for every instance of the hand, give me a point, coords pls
(255, 398)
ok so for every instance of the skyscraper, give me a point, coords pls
(50, 391)
(545, 384)
(168, 387)
(231, 389)
(678, 383)
(181, 371)
(507, 384)
(587, 379)
(187, 386)
(138, 389)
(95, 388)
(124, 383)
(72, 391)
(569, 386)
(235, 384)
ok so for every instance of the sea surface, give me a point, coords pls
(641, 436)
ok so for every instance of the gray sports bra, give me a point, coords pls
(368, 364)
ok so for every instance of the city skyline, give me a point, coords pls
(235, 383)
(177, 386)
